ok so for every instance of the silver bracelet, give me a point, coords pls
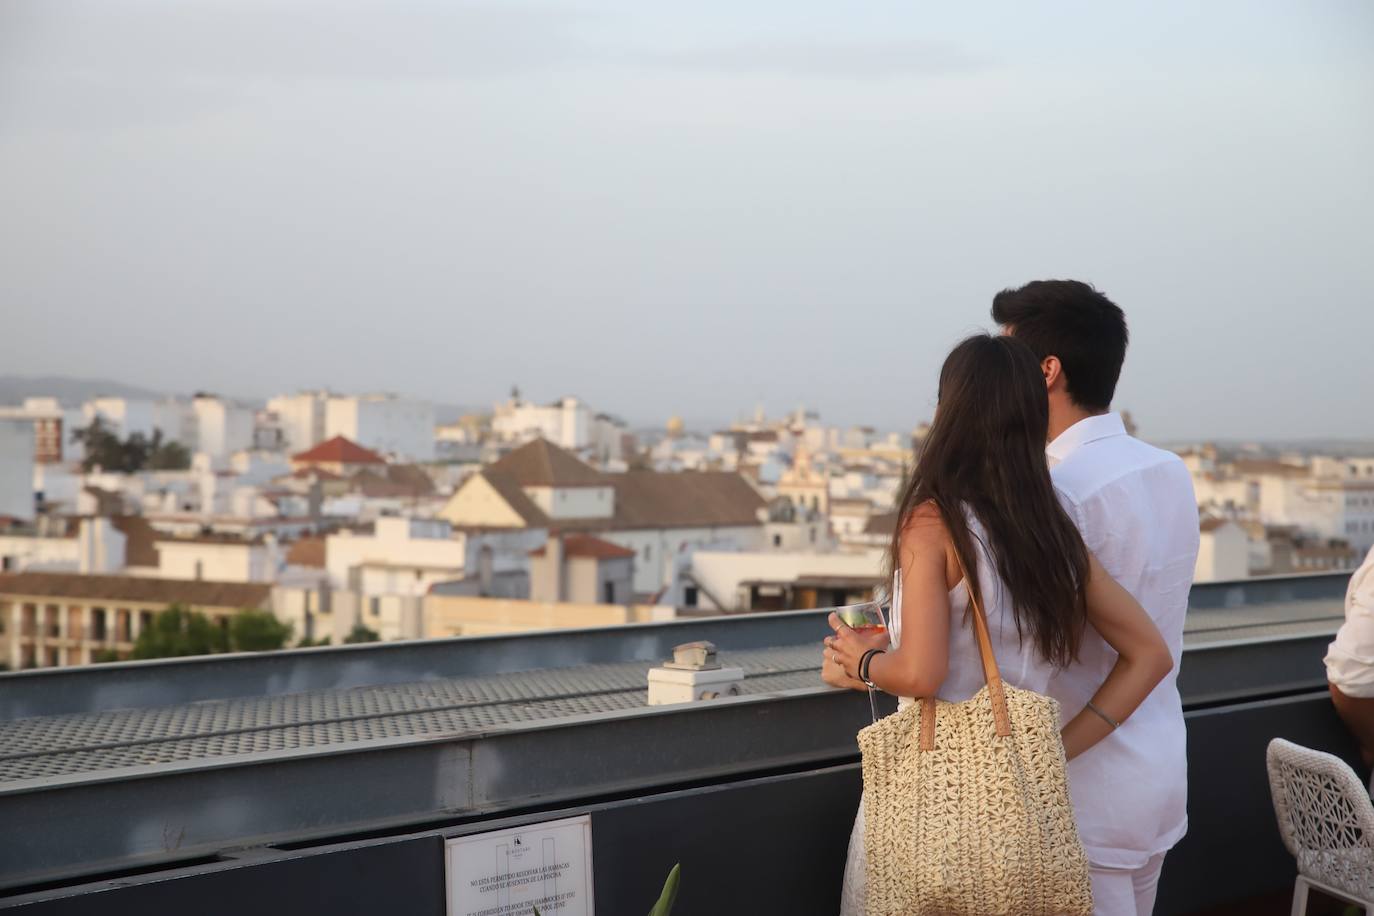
(1105, 718)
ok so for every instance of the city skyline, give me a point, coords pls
(689, 213)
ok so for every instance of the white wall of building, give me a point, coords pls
(722, 573)
(213, 562)
(222, 427)
(302, 418)
(383, 423)
(100, 547)
(256, 467)
(1237, 493)
(16, 468)
(1223, 554)
(568, 423)
(656, 548)
(405, 545)
(1343, 468)
(574, 502)
(19, 552)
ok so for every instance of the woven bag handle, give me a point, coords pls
(991, 674)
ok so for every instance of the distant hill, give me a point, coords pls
(71, 391)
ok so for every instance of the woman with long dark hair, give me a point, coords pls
(980, 494)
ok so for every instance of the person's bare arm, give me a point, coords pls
(919, 666)
(1143, 660)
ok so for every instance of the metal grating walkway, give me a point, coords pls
(47, 747)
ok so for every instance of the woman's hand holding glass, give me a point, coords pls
(858, 628)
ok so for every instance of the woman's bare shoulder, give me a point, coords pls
(925, 527)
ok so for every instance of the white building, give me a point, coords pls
(53, 425)
(16, 468)
(384, 423)
(402, 556)
(222, 427)
(1223, 551)
(219, 559)
(379, 580)
(1333, 499)
(568, 423)
(301, 417)
(750, 580)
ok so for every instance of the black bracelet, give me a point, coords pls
(863, 666)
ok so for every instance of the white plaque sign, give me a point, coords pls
(510, 872)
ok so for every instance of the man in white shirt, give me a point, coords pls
(1135, 507)
(1350, 661)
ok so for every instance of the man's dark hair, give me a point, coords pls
(1070, 320)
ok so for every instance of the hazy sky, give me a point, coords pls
(690, 207)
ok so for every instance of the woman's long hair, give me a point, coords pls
(986, 450)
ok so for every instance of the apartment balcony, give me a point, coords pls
(255, 781)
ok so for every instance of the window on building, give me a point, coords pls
(374, 606)
(813, 534)
(98, 624)
(145, 620)
(608, 590)
(777, 540)
(689, 596)
(648, 551)
(6, 563)
(200, 570)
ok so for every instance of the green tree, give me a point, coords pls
(100, 656)
(167, 455)
(179, 631)
(257, 631)
(361, 633)
(307, 643)
(100, 446)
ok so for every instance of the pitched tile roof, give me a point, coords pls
(136, 588)
(884, 523)
(649, 499)
(686, 499)
(339, 450)
(395, 481)
(586, 545)
(307, 551)
(542, 464)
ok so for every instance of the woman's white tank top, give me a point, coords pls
(1018, 660)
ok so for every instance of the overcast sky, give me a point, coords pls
(691, 207)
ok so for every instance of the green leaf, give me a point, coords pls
(669, 895)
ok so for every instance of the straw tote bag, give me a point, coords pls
(966, 805)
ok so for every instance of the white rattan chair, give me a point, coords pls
(1327, 822)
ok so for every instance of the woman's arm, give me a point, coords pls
(1143, 660)
(918, 668)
